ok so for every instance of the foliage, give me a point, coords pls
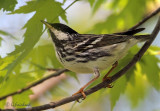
(124, 15)
(48, 9)
(7, 5)
(28, 61)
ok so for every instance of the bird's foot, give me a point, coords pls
(82, 92)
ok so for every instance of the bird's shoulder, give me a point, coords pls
(108, 39)
(84, 41)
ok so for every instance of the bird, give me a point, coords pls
(91, 53)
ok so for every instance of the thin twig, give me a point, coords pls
(59, 72)
(101, 85)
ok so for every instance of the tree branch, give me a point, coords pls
(103, 84)
(59, 72)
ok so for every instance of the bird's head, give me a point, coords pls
(59, 31)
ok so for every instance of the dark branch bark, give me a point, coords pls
(105, 83)
(35, 83)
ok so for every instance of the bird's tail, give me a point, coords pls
(143, 37)
(130, 32)
(134, 31)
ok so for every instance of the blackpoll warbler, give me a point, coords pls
(89, 53)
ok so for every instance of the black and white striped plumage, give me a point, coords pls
(81, 53)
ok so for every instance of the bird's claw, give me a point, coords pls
(83, 94)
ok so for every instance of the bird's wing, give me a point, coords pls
(84, 41)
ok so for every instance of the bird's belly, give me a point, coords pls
(101, 63)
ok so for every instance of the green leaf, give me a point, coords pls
(12, 65)
(3, 103)
(4, 63)
(40, 58)
(137, 91)
(22, 100)
(43, 55)
(47, 9)
(14, 83)
(8, 5)
(149, 64)
(118, 89)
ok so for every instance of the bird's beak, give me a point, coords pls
(47, 24)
